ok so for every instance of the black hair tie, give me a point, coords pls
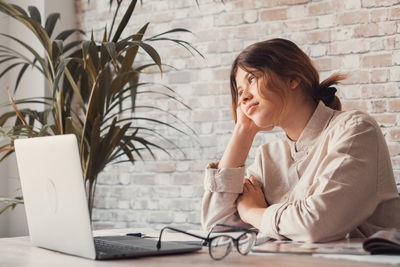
(327, 95)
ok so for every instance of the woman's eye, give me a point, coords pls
(252, 79)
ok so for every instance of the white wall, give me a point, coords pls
(3, 170)
(13, 223)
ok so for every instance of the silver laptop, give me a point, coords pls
(56, 205)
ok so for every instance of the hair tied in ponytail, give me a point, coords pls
(327, 95)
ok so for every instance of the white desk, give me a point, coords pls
(20, 252)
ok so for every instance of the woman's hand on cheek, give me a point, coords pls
(244, 121)
(251, 203)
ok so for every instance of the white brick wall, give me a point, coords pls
(358, 36)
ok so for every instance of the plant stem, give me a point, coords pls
(90, 200)
(92, 191)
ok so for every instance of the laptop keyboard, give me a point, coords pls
(113, 247)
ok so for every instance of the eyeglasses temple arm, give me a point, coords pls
(177, 230)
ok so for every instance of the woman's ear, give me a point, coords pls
(294, 83)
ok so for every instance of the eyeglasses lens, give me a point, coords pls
(246, 242)
(221, 246)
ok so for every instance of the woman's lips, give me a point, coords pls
(250, 108)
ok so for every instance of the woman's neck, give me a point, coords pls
(296, 118)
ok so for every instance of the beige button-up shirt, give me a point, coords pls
(336, 179)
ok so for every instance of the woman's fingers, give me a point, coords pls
(244, 185)
(256, 184)
(245, 188)
(248, 185)
(251, 184)
(254, 181)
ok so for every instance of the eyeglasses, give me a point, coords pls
(219, 246)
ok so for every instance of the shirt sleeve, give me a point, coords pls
(342, 196)
(221, 189)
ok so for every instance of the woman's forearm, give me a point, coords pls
(238, 148)
(254, 217)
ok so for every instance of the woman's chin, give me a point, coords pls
(264, 126)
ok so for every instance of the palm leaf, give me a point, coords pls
(150, 51)
(10, 68)
(13, 202)
(11, 52)
(35, 54)
(145, 66)
(85, 52)
(51, 22)
(118, 83)
(136, 85)
(57, 50)
(160, 136)
(94, 60)
(147, 145)
(32, 24)
(74, 87)
(184, 44)
(71, 45)
(154, 108)
(39, 31)
(110, 48)
(67, 33)
(30, 100)
(6, 116)
(149, 120)
(167, 32)
(16, 109)
(20, 10)
(124, 21)
(132, 51)
(35, 14)
(20, 74)
(59, 72)
(7, 58)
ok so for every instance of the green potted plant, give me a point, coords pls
(92, 93)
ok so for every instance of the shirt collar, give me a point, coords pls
(314, 127)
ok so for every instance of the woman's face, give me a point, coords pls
(264, 111)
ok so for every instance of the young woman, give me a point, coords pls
(329, 177)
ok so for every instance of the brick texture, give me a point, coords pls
(359, 37)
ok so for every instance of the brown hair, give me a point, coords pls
(283, 59)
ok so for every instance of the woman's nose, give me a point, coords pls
(246, 95)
